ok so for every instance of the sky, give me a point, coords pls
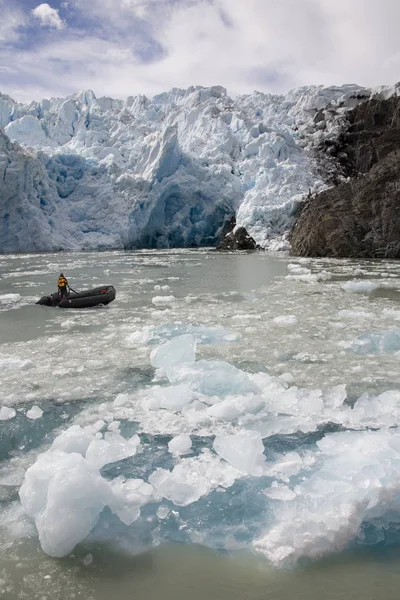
(120, 48)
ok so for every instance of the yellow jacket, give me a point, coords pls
(62, 281)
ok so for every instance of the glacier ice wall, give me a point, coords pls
(168, 171)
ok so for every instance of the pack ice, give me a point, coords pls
(84, 172)
(320, 497)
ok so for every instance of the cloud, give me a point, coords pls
(48, 16)
(124, 47)
(12, 19)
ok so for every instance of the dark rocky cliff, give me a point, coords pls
(360, 217)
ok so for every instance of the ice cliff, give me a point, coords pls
(85, 172)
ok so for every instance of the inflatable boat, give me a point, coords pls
(86, 299)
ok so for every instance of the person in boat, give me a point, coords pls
(62, 286)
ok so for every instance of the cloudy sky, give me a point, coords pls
(124, 47)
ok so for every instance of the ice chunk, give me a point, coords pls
(6, 299)
(34, 413)
(379, 341)
(64, 494)
(279, 491)
(212, 378)
(233, 407)
(285, 320)
(7, 413)
(355, 314)
(73, 439)
(129, 496)
(88, 560)
(173, 397)
(163, 300)
(162, 512)
(243, 450)
(193, 478)
(112, 449)
(9, 363)
(121, 400)
(181, 349)
(335, 396)
(180, 444)
(357, 480)
(360, 287)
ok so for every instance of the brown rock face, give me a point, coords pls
(359, 218)
(238, 240)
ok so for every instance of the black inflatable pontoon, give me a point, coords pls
(86, 299)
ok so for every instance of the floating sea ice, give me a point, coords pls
(7, 413)
(141, 336)
(357, 481)
(129, 496)
(88, 560)
(74, 439)
(235, 406)
(173, 398)
(157, 288)
(360, 287)
(121, 400)
(285, 320)
(355, 314)
(111, 449)
(9, 299)
(298, 269)
(212, 378)
(278, 491)
(64, 494)
(243, 450)
(180, 444)
(380, 341)
(162, 512)
(181, 349)
(163, 300)
(34, 413)
(335, 396)
(9, 363)
(165, 288)
(193, 478)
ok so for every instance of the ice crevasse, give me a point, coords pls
(84, 172)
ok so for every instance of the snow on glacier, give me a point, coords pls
(160, 172)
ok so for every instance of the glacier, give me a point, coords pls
(83, 172)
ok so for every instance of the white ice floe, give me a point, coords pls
(180, 444)
(11, 363)
(7, 299)
(7, 413)
(356, 480)
(285, 320)
(111, 449)
(243, 450)
(34, 413)
(193, 478)
(373, 342)
(355, 315)
(163, 300)
(360, 287)
(64, 492)
(176, 351)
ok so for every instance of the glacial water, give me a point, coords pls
(226, 428)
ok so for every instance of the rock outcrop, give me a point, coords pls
(238, 239)
(358, 218)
